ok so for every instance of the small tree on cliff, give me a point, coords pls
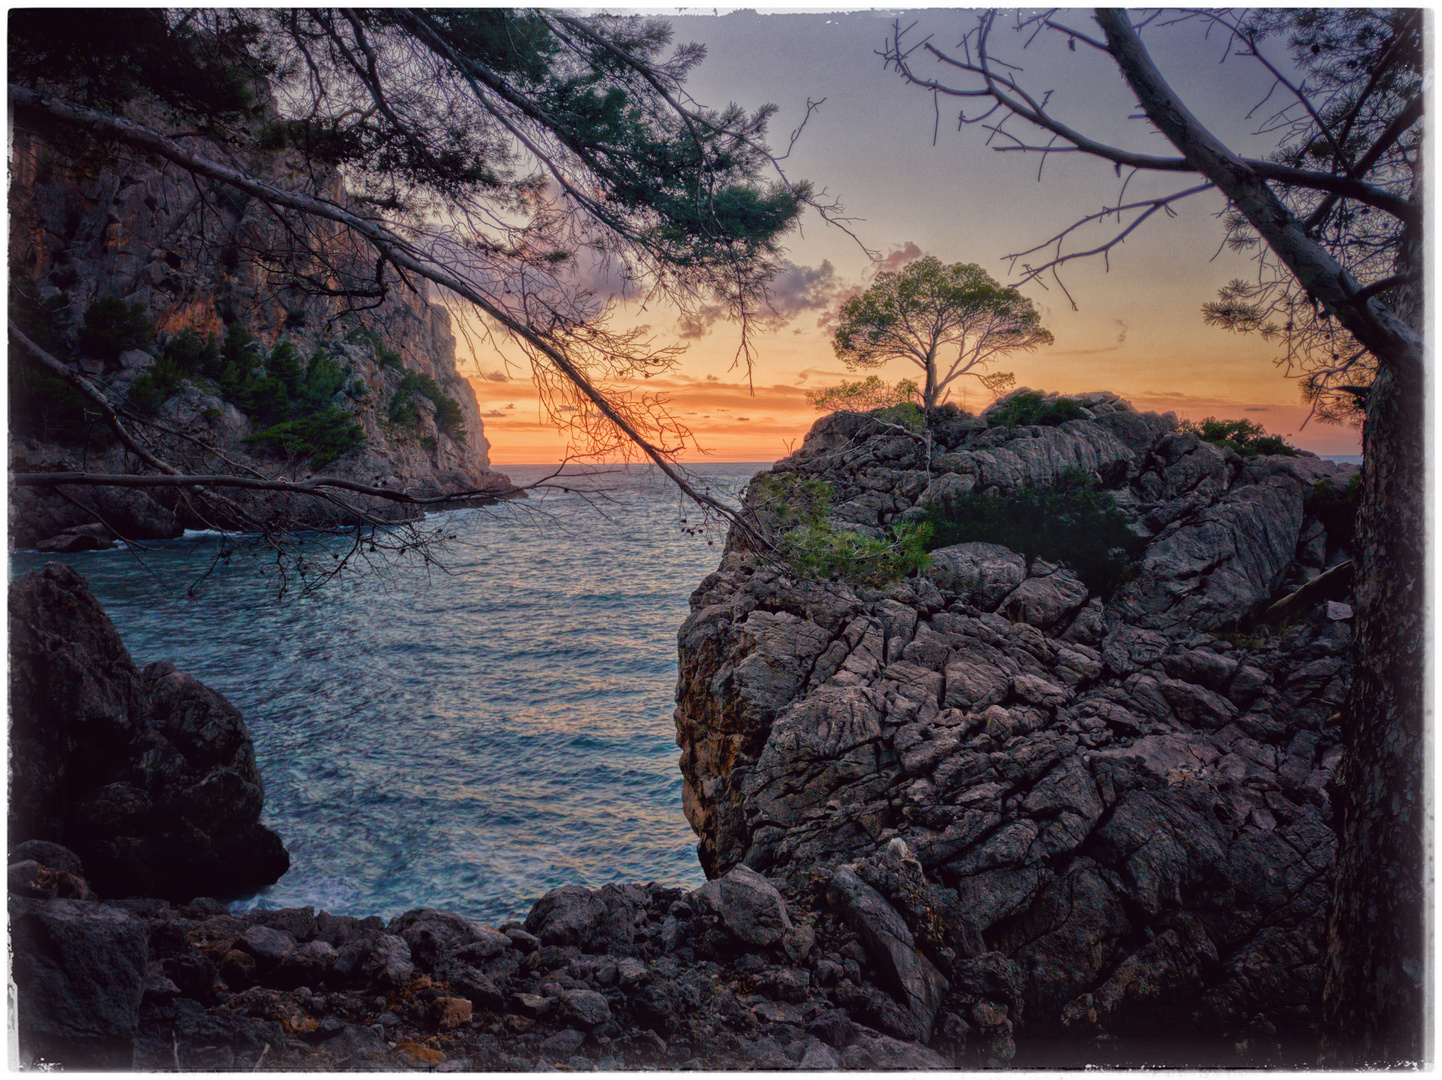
(947, 320)
(1334, 217)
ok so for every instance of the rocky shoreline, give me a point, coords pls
(976, 818)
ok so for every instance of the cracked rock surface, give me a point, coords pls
(1119, 810)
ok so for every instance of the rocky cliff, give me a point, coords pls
(1118, 811)
(977, 817)
(92, 225)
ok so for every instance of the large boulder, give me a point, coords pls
(1121, 803)
(79, 971)
(149, 777)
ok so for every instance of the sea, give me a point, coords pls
(462, 727)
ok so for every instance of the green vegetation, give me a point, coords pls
(1246, 437)
(321, 436)
(111, 326)
(947, 320)
(43, 406)
(404, 410)
(1335, 506)
(155, 386)
(1029, 407)
(1073, 522)
(106, 56)
(864, 395)
(276, 389)
(799, 508)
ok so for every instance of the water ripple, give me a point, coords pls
(462, 742)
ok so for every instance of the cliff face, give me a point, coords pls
(88, 223)
(1120, 809)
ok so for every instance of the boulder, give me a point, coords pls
(912, 977)
(374, 956)
(596, 921)
(748, 905)
(79, 969)
(150, 778)
(981, 574)
(1076, 777)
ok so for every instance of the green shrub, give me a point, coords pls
(240, 357)
(266, 399)
(323, 377)
(111, 326)
(321, 436)
(284, 364)
(907, 415)
(798, 508)
(790, 499)
(389, 358)
(1335, 506)
(864, 395)
(1029, 407)
(156, 386)
(1246, 437)
(403, 411)
(45, 407)
(194, 356)
(827, 553)
(39, 320)
(1073, 522)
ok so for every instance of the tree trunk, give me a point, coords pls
(1374, 994)
(1375, 983)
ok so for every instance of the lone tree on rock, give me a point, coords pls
(947, 320)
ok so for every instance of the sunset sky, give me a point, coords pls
(1138, 329)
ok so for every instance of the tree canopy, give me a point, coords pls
(947, 320)
(529, 163)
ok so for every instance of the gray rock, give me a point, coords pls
(374, 956)
(819, 1057)
(912, 976)
(79, 971)
(432, 935)
(150, 778)
(584, 1007)
(1045, 601)
(268, 947)
(563, 1043)
(748, 905)
(597, 921)
(981, 574)
(1220, 567)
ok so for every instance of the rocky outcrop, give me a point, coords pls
(149, 776)
(1119, 811)
(195, 255)
(625, 977)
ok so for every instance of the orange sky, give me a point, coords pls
(908, 181)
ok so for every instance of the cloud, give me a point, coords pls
(493, 376)
(1257, 408)
(792, 290)
(494, 414)
(1113, 347)
(694, 324)
(797, 288)
(890, 263)
(893, 262)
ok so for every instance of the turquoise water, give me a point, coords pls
(465, 738)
